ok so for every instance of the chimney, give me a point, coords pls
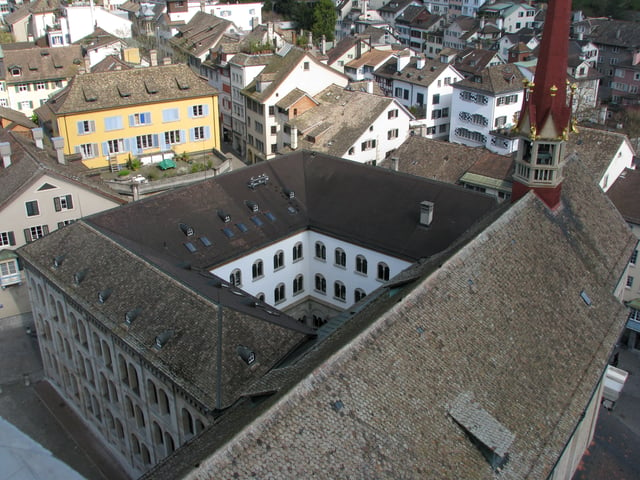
(323, 45)
(294, 137)
(420, 62)
(58, 145)
(369, 86)
(310, 39)
(394, 164)
(426, 213)
(166, 61)
(270, 32)
(5, 153)
(87, 64)
(38, 135)
(404, 58)
(153, 55)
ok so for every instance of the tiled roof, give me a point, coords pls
(395, 6)
(341, 118)
(292, 97)
(411, 73)
(16, 117)
(29, 163)
(138, 86)
(42, 64)
(472, 61)
(495, 80)
(99, 38)
(606, 31)
(438, 160)
(200, 34)
(375, 397)
(109, 63)
(625, 195)
(372, 57)
(340, 48)
(45, 6)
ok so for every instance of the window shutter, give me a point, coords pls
(154, 140)
(190, 111)
(92, 125)
(60, 225)
(127, 144)
(80, 129)
(147, 117)
(69, 201)
(56, 204)
(27, 235)
(30, 104)
(12, 238)
(45, 229)
(205, 110)
(105, 148)
(207, 133)
(192, 134)
(131, 121)
(183, 136)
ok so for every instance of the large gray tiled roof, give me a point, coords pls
(341, 118)
(494, 323)
(200, 34)
(411, 73)
(42, 64)
(625, 195)
(495, 80)
(138, 86)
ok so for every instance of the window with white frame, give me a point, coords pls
(278, 260)
(634, 257)
(361, 264)
(36, 232)
(383, 271)
(172, 137)
(7, 239)
(86, 126)
(144, 141)
(629, 281)
(138, 119)
(64, 202)
(257, 269)
(321, 251)
(279, 293)
(235, 278)
(32, 208)
(199, 133)
(501, 121)
(115, 146)
(297, 252)
(339, 291)
(9, 272)
(358, 294)
(298, 284)
(391, 134)
(321, 283)
(88, 150)
(23, 87)
(368, 145)
(4, 102)
(340, 258)
(392, 114)
(41, 86)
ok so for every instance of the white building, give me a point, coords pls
(423, 86)
(483, 107)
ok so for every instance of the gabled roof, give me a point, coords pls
(495, 80)
(471, 61)
(340, 48)
(138, 86)
(15, 117)
(372, 58)
(385, 386)
(341, 117)
(99, 38)
(395, 6)
(110, 63)
(618, 33)
(200, 34)
(625, 195)
(411, 73)
(42, 64)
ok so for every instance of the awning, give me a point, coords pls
(167, 163)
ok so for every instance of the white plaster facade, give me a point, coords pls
(83, 19)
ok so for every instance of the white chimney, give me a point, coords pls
(58, 145)
(153, 56)
(426, 213)
(369, 86)
(5, 153)
(87, 63)
(323, 45)
(404, 58)
(294, 137)
(38, 135)
(394, 163)
(420, 62)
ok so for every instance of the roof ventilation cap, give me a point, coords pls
(253, 206)
(247, 355)
(163, 338)
(257, 181)
(186, 229)
(225, 217)
(103, 295)
(289, 193)
(79, 276)
(131, 315)
(57, 260)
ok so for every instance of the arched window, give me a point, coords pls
(278, 260)
(361, 264)
(261, 297)
(297, 252)
(339, 291)
(321, 284)
(321, 251)
(278, 293)
(187, 422)
(359, 294)
(140, 421)
(152, 392)
(135, 444)
(383, 271)
(156, 433)
(257, 270)
(106, 354)
(122, 367)
(165, 406)
(119, 429)
(236, 278)
(82, 334)
(133, 379)
(168, 439)
(341, 258)
(298, 284)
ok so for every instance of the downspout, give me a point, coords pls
(219, 361)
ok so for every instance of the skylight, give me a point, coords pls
(205, 241)
(270, 216)
(190, 246)
(257, 221)
(228, 232)
(242, 227)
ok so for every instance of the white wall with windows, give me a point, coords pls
(345, 268)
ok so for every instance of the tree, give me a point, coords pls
(324, 20)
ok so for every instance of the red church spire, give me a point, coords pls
(545, 119)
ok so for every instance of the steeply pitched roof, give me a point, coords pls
(16, 117)
(472, 61)
(495, 80)
(625, 195)
(98, 38)
(42, 64)
(341, 118)
(138, 86)
(411, 73)
(110, 63)
(606, 31)
(200, 34)
(385, 387)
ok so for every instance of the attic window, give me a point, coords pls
(257, 181)
(225, 217)
(186, 229)
(79, 276)
(585, 298)
(182, 84)
(57, 261)
(246, 354)
(131, 315)
(103, 295)
(151, 87)
(163, 338)
(16, 71)
(205, 241)
(124, 91)
(491, 437)
(289, 193)
(89, 94)
(253, 206)
(191, 247)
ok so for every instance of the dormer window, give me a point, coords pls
(16, 71)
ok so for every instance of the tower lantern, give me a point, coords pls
(545, 119)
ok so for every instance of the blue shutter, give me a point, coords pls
(147, 118)
(207, 133)
(105, 149)
(155, 140)
(127, 144)
(80, 128)
(183, 136)
(192, 135)
(131, 120)
(205, 110)
(134, 146)
(190, 111)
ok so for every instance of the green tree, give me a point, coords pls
(324, 20)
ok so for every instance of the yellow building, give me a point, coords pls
(148, 113)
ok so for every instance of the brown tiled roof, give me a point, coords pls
(625, 195)
(472, 61)
(98, 38)
(411, 73)
(436, 159)
(340, 49)
(495, 80)
(42, 64)
(16, 117)
(200, 34)
(377, 396)
(110, 63)
(373, 57)
(138, 86)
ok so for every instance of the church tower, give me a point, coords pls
(545, 119)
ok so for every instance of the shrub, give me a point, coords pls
(124, 172)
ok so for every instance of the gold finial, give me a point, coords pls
(574, 87)
(534, 133)
(574, 125)
(553, 90)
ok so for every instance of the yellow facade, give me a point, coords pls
(146, 131)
